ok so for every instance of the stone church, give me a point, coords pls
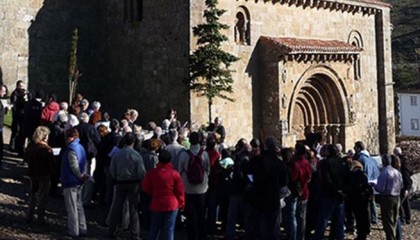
(305, 65)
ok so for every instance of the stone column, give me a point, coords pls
(385, 84)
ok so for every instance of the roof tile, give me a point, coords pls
(296, 45)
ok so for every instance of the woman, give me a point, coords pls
(40, 159)
(165, 186)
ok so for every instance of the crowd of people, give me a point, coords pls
(160, 177)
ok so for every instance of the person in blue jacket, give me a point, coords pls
(73, 176)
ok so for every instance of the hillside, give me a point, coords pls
(405, 17)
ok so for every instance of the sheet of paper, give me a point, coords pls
(56, 151)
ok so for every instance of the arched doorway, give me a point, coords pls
(318, 105)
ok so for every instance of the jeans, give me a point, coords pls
(162, 222)
(399, 229)
(76, 220)
(289, 213)
(295, 218)
(373, 211)
(333, 207)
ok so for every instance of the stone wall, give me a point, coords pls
(147, 60)
(49, 45)
(15, 18)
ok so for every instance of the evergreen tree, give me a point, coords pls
(209, 64)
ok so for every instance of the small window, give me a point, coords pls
(413, 100)
(242, 27)
(356, 65)
(414, 124)
(355, 39)
(133, 10)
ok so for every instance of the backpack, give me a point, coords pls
(195, 171)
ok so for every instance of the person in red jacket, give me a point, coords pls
(50, 109)
(164, 185)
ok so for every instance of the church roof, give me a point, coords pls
(295, 46)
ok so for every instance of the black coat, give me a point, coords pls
(89, 138)
(269, 176)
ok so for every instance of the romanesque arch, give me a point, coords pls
(355, 39)
(243, 26)
(318, 104)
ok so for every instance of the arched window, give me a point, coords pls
(242, 27)
(355, 39)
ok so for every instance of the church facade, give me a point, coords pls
(311, 66)
(305, 65)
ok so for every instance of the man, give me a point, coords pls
(18, 99)
(333, 176)
(31, 120)
(3, 91)
(89, 138)
(127, 170)
(269, 175)
(406, 173)
(371, 168)
(132, 117)
(73, 174)
(389, 185)
(195, 192)
(218, 128)
(174, 148)
(96, 115)
(238, 186)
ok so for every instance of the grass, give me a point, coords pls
(8, 119)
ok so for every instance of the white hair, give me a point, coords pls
(96, 105)
(340, 147)
(84, 117)
(64, 106)
(124, 123)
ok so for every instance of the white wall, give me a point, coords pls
(409, 114)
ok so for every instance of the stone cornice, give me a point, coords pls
(317, 57)
(310, 50)
(352, 6)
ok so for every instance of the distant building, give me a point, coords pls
(409, 111)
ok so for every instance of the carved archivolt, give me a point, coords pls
(321, 85)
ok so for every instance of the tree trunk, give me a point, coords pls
(210, 104)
